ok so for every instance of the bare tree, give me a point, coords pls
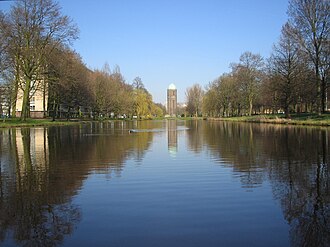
(68, 82)
(211, 105)
(287, 69)
(111, 94)
(311, 20)
(248, 73)
(194, 96)
(2, 42)
(137, 83)
(36, 28)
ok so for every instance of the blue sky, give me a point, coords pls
(173, 41)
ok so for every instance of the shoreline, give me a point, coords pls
(17, 123)
(303, 120)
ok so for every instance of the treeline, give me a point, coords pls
(294, 79)
(36, 59)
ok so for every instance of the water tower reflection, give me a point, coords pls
(172, 137)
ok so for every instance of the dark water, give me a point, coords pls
(171, 183)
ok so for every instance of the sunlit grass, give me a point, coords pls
(297, 119)
(16, 122)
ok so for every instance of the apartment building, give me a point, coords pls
(38, 104)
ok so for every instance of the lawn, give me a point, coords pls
(297, 119)
(16, 122)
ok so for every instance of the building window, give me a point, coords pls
(32, 107)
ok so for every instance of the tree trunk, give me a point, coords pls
(324, 94)
(318, 99)
(250, 106)
(68, 116)
(287, 111)
(15, 90)
(54, 110)
(44, 98)
(26, 100)
(318, 86)
(14, 99)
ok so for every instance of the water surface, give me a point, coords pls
(169, 183)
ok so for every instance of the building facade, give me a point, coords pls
(172, 100)
(38, 103)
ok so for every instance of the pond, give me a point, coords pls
(166, 183)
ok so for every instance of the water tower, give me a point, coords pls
(172, 100)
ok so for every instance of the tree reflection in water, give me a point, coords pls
(42, 170)
(301, 184)
(32, 211)
(294, 159)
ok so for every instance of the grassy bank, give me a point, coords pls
(296, 119)
(16, 122)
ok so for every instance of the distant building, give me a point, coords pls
(172, 100)
(4, 101)
(38, 103)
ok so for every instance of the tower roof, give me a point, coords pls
(172, 87)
